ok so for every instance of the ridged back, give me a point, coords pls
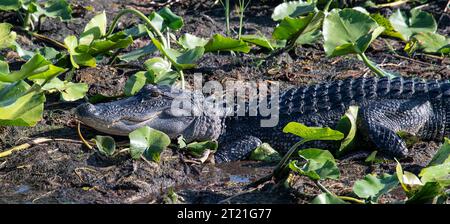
(342, 93)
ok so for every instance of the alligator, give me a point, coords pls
(386, 107)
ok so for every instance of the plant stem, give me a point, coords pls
(226, 7)
(141, 16)
(287, 156)
(345, 198)
(371, 65)
(182, 78)
(322, 188)
(26, 20)
(327, 6)
(48, 40)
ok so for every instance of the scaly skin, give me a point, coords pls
(415, 106)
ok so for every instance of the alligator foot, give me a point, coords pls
(237, 150)
(384, 119)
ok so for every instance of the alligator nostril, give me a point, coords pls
(84, 110)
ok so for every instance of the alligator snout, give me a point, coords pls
(85, 110)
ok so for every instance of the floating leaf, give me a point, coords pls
(292, 9)
(426, 194)
(148, 142)
(105, 144)
(312, 133)
(414, 22)
(221, 43)
(348, 31)
(73, 91)
(36, 66)
(266, 153)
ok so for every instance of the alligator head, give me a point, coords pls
(170, 110)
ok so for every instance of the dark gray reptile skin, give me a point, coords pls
(415, 106)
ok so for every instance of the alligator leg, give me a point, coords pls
(237, 150)
(384, 119)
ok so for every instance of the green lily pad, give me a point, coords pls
(18, 108)
(95, 29)
(189, 41)
(105, 144)
(7, 37)
(372, 187)
(10, 5)
(221, 43)
(413, 22)
(292, 9)
(148, 142)
(326, 198)
(266, 153)
(348, 31)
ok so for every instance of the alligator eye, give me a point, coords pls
(155, 94)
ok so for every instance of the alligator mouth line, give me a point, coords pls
(133, 121)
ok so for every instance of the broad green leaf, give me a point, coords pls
(7, 37)
(37, 64)
(410, 182)
(10, 5)
(148, 142)
(77, 58)
(105, 144)
(135, 83)
(136, 31)
(312, 133)
(95, 29)
(181, 60)
(389, 30)
(292, 9)
(326, 198)
(189, 41)
(289, 27)
(4, 67)
(432, 43)
(58, 8)
(157, 21)
(262, 41)
(347, 125)
(49, 53)
(198, 148)
(437, 173)
(157, 65)
(266, 153)
(171, 20)
(50, 72)
(426, 194)
(17, 109)
(442, 155)
(74, 91)
(320, 164)
(104, 46)
(414, 22)
(138, 53)
(221, 43)
(348, 31)
(372, 187)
